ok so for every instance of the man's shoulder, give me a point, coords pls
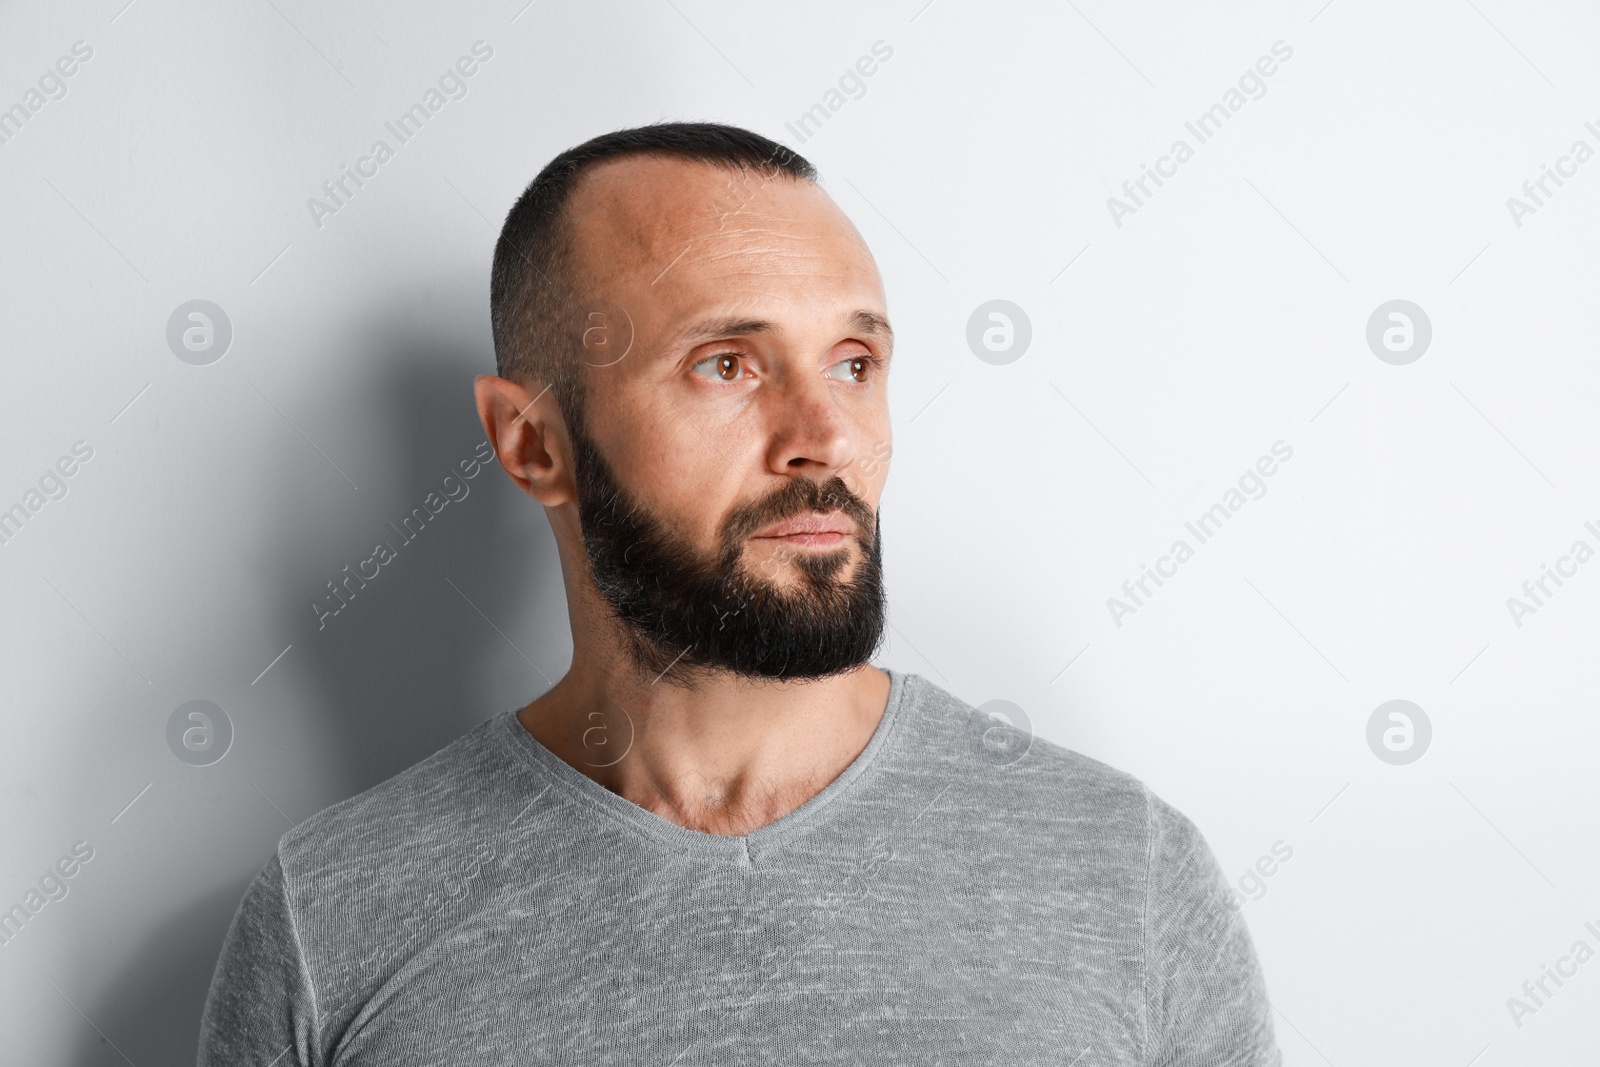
(994, 752)
(370, 880)
(1065, 810)
(1024, 818)
(435, 801)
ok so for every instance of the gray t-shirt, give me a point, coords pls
(960, 894)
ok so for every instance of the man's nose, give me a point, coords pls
(810, 433)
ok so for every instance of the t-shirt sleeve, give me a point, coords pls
(1206, 999)
(260, 1010)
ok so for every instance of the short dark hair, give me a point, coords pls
(533, 303)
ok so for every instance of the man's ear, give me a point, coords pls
(524, 424)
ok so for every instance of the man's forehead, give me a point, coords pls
(640, 188)
(648, 213)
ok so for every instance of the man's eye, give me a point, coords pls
(724, 367)
(856, 369)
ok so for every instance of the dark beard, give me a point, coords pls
(687, 612)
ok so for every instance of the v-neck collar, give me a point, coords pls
(742, 849)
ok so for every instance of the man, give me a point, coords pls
(723, 837)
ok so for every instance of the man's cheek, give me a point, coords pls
(876, 461)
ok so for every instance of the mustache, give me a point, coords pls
(798, 497)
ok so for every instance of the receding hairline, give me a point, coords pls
(603, 194)
(591, 181)
(659, 154)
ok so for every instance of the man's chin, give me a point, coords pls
(786, 566)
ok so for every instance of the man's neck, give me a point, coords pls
(728, 756)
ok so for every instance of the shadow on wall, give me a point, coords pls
(402, 671)
(403, 662)
(152, 1010)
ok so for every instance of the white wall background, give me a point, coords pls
(1167, 354)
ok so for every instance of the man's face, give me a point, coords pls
(736, 429)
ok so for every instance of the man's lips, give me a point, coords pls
(814, 529)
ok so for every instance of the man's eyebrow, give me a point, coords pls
(714, 328)
(872, 323)
(868, 322)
